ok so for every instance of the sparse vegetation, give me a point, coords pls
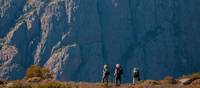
(40, 73)
(194, 80)
(53, 84)
(33, 71)
(49, 84)
(104, 85)
(19, 84)
(196, 75)
(167, 82)
(71, 85)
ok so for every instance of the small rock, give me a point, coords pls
(10, 84)
(185, 81)
(196, 82)
(2, 82)
(152, 82)
(168, 80)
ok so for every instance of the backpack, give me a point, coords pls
(136, 72)
(106, 72)
(119, 71)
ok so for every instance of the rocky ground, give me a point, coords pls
(37, 77)
(168, 82)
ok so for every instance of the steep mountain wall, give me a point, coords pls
(74, 38)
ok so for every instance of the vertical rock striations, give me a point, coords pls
(74, 38)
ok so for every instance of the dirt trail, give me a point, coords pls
(98, 85)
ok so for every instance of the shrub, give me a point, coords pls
(193, 76)
(36, 71)
(46, 73)
(196, 75)
(33, 71)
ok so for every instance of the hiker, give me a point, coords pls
(136, 75)
(117, 74)
(106, 73)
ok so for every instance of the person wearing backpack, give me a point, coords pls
(106, 73)
(136, 75)
(118, 73)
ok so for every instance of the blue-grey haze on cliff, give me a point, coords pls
(74, 38)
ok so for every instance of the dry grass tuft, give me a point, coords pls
(36, 73)
(168, 80)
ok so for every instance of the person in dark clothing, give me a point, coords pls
(118, 73)
(106, 73)
(136, 75)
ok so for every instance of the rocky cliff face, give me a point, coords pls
(74, 38)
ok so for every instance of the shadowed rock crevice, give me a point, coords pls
(74, 38)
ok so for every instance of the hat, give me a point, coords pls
(118, 66)
(105, 66)
(136, 69)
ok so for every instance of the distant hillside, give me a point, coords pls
(75, 38)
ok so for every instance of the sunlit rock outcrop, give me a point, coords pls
(74, 38)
